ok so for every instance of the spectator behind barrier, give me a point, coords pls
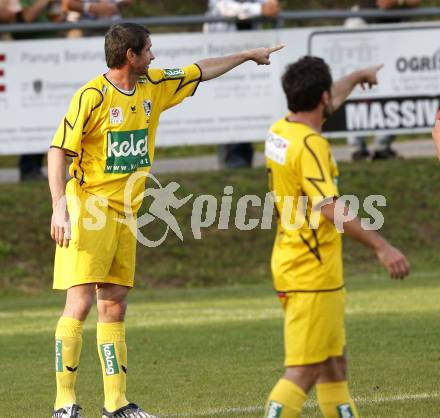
(237, 155)
(13, 11)
(92, 10)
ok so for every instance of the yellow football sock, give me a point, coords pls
(335, 401)
(68, 343)
(113, 354)
(285, 401)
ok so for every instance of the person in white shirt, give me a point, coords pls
(237, 155)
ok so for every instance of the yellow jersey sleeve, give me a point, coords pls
(176, 83)
(72, 128)
(319, 172)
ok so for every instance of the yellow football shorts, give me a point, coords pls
(314, 327)
(102, 250)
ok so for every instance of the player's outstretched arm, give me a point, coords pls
(215, 67)
(436, 135)
(394, 261)
(60, 223)
(342, 88)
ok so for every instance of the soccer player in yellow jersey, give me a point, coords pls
(306, 257)
(109, 130)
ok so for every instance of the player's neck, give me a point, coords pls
(312, 119)
(122, 79)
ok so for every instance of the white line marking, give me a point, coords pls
(217, 412)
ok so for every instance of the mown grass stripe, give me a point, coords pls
(217, 412)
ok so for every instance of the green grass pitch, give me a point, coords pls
(216, 352)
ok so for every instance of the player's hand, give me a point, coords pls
(395, 262)
(369, 76)
(103, 9)
(270, 8)
(60, 228)
(262, 55)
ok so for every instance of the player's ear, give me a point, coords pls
(326, 98)
(129, 55)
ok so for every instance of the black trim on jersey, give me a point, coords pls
(310, 291)
(271, 189)
(199, 79)
(313, 250)
(125, 94)
(67, 123)
(315, 180)
(181, 84)
(81, 182)
(69, 152)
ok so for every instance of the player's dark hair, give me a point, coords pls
(304, 81)
(120, 38)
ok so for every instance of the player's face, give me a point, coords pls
(142, 61)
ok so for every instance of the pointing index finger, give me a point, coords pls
(276, 48)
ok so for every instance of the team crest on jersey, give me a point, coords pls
(147, 107)
(173, 73)
(116, 116)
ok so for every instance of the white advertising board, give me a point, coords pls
(38, 79)
(407, 96)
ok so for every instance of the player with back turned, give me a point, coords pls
(109, 130)
(307, 261)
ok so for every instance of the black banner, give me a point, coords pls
(385, 114)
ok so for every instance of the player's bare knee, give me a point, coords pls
(111, 310)
(112, 303)
(79, 301)
(334, 369)
(304, 376)
(78, 310)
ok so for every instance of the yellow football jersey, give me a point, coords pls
(111, 134)
(307, 250)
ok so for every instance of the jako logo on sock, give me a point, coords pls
(274, 410)
(58, 355)
(345, 411)
(109, 356)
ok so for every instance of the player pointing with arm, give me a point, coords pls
(109, 130)
(307, 261)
